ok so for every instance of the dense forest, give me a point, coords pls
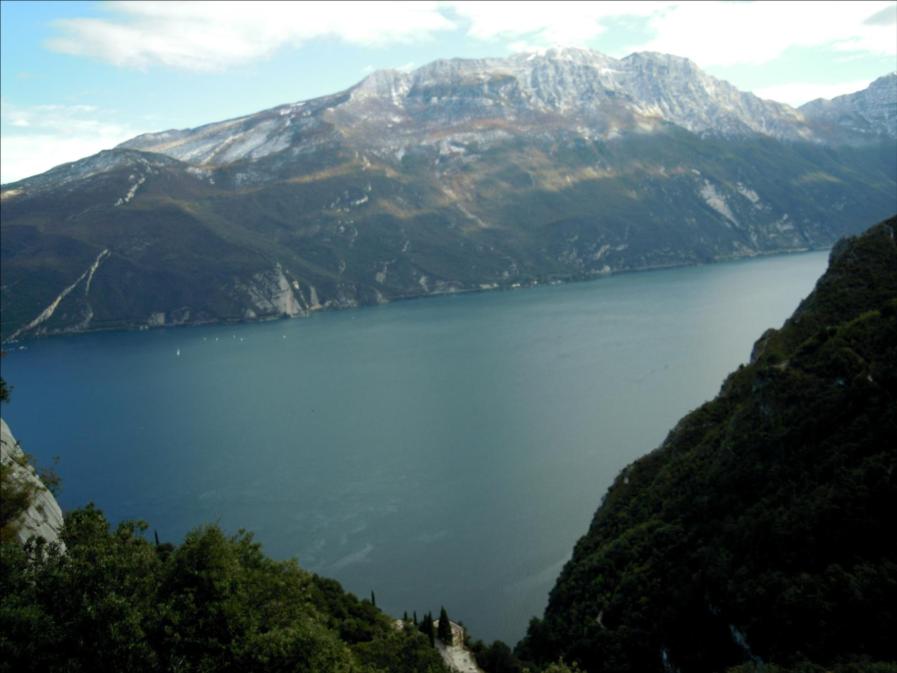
(115, 601)
(761, 533)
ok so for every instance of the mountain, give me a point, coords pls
(463, 175)
(760, 532)
(871, 112)
(390, 111)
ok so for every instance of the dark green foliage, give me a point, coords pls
(496, 658)
(356, 621)
(444, 629)
(403, 650)
(117, 602)
(761, 528)
(426, 627)
(856, 667)
(17, 497)
(860, 276)
(561, 667)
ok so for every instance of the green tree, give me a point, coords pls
(17, 497)
(115, 601)
(426, 627)
(496, 658)
(4, 389)
(444, 629)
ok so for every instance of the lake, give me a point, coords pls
(445, 451)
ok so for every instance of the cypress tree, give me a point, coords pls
(444, 630)
(426, 627)
(373, 599)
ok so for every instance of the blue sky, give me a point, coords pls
(77, 77)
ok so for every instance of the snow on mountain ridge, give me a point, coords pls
(562, 88)
(870, 111)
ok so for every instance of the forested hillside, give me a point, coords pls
(115, 602)
(761, 531)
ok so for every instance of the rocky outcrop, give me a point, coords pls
(456, 655)
(44, 517)
(270, 294)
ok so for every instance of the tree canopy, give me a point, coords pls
(761, 530)
(117, 602)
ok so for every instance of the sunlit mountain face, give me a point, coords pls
(463, 175)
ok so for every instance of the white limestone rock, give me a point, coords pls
(44, 518)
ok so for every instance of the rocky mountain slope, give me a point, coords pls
(871, 112)
(760, 532)
(391, 111)
(463, 175)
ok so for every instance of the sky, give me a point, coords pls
(79, 77)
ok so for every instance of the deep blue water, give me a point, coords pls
(440, 451)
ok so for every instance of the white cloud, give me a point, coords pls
(729, 33)
(43, 136)
(534, 25)
(710, 33)
(216, 35)
(798, 93)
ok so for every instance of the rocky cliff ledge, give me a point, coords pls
(43, 518)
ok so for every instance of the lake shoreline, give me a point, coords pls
(518, 285)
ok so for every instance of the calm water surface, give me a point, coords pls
(441, 451)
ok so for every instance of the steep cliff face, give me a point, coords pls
(42, 517)
(761, 530)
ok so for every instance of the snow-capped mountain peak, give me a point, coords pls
(570, 90)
